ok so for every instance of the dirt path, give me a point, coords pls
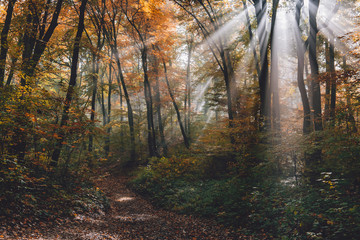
(132, 217)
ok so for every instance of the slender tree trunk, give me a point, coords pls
(252, 43)
(350, 110)
(72, 84)
(95, 74)
(187, 102)
(186, 140)
(313, 9)
(333, 78)
(101, 98)
(225, 62)
(128, 104)
(20, 142)
(35, 47)
(327, 84)
(12, 70)
(310, 90)
(4, 40)
(265, 120)
(108, 131)
(274, 77)
(313, 162)
(158, 109)
(149, 107)
(300, 73)
(228, 78)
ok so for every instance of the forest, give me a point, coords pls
(179, 119)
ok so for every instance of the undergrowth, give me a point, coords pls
(39, 194)
(329, 210)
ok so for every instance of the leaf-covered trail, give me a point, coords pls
(131, 217)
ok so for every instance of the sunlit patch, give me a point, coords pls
(84, 218)
(135, 217)
(124, 199)
(95, 236)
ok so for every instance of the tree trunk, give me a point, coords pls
(327, 83)
(108, 131)
(332, 78)
(187, 102)
(128, 104)
(34, 48)
(158, 109)
(95, 74)
(313, 9)
(225, 62)
(313, 162)
(72, 84)
(265, 120)
(186, 141)
(300, 75)
(274, 77)
(252, 43)
(4, 40)
(350, 110)
(149, 108)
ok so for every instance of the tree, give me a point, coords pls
(4, 39)
(111, 32)
(187, 101)
(218, 45)
(301, 48)
(136, 17)
(97, 17)
(315, 85)
(72, 83)
(155, 66)
(186, 140)
(36, 36)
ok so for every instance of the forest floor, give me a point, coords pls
(130, 217)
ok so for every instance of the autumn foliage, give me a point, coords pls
(242, 111)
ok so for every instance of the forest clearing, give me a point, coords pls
(179, 119)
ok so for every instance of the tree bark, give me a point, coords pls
(95, 74)
(187, 102)
(72, 84)
(252, 43)
(158, 108)
(332, 78)
(34, 48)
(186, 141)
(4, 40)
(313, 9)
(327, 83)
(149, 105)
(265, 118)
(128, 104)
(274, 77)
(108, 131)
(300, 74)
(350, 110)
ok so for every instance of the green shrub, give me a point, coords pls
(258, 204)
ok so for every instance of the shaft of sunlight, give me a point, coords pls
(199, 100)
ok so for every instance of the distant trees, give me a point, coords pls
(208, 25)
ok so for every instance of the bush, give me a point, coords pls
(254, 202)
(28, 191)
